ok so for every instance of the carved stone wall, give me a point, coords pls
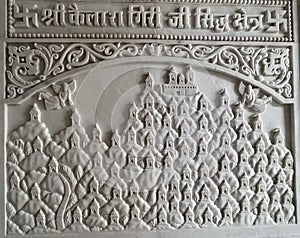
(170, 118)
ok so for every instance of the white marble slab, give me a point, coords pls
(150, 119)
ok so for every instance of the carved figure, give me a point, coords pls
(62, 98)
(251, 98)
(65, 92)
(51, 101)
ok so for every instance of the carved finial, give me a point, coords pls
(202, 145)
(133, 110)
(279, 217)
(172, 75)
(149, 81)
(287, 197)
(114, 216)
(226, 138)
(149, 99)
(225, 118)
(239, 106)
(186, 170)
(189, 74)
(184, 107)
(288, 160)
(53, 165)
(77, 215)
(150, 160)
(75, 140)
(224, 97)
(260, 166)
(277, 137)
(225, 187)
(162, 216)
(132, 154)
(275, 195)
(168, 161)
(203, 169)
(261, 185)
(208, 215)
(97, 133)
(94, 207)
(167, 119)
(170, 137)
(35, 113)
(224, 93)
(13, 158)
(228, 208)
(243, 154)
(135, 212)
(263, 207)
(38, 144)
(14, 181)
(280, 177)
(239, 110)
(35, 191)
(257, 122)
(204, 102)
(174, 182)
(116, 138)
(150, 139)
(205, 192)
(117, 191)
(184, 148)
(225, 163)
(94, 185)
(181, 79)
(174, 203)
(245, 177)
(173, 102)
(40, 219)
(245, 199)
(203, 119)
(242, 128)
(114, 169)
(187, 188)
(189, 211)
(149, 120)
(75, 118)
(260, 145)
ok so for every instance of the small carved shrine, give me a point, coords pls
(150, 118)
(180, 162)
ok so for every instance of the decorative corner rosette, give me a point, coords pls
(30, 65)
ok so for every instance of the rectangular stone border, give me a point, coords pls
(272, 231)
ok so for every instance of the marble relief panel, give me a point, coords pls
(166, 118)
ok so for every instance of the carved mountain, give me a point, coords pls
(180, 162)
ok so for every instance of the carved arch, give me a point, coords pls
(34, 67)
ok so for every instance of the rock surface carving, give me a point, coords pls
(196, 165)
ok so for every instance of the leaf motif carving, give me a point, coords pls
(29, 65)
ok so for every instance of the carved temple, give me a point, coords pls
(179, 162)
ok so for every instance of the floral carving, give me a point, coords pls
(270, 66)
(29, 65)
